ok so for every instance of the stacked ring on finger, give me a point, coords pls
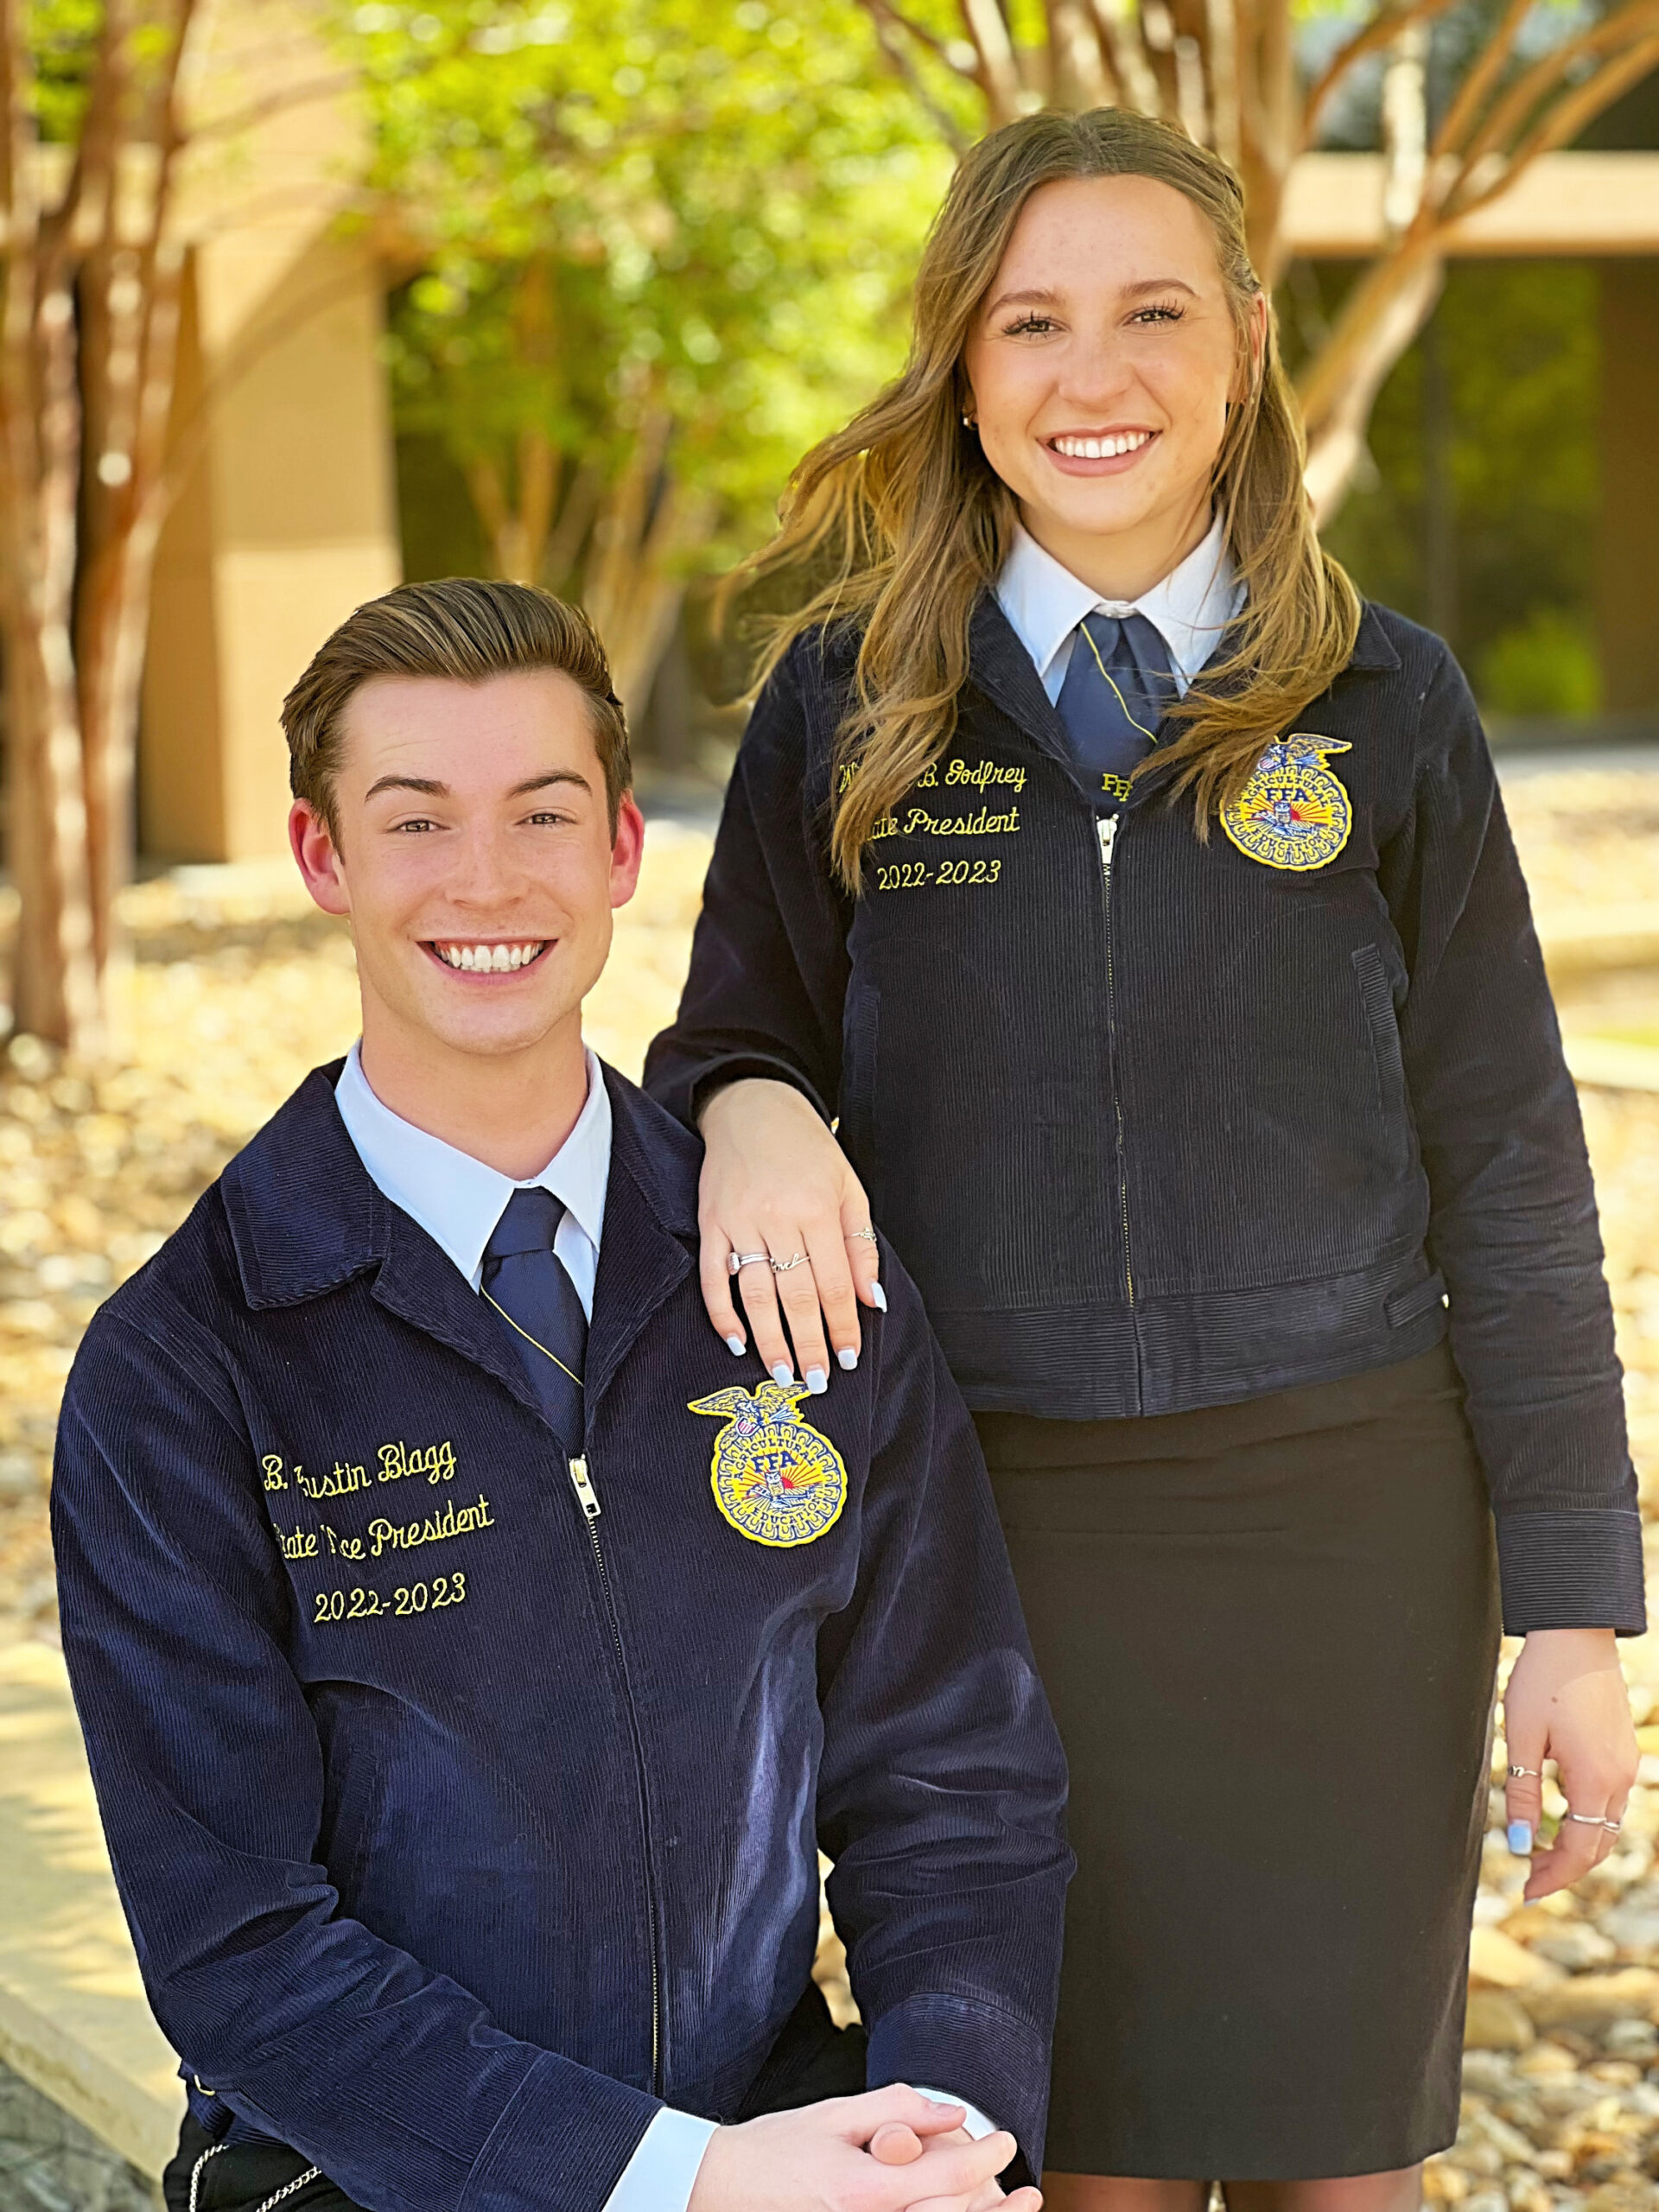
(867, 1235)
(735, 1261)
(1590, 1820)
(783, 1267)
(1515, 1773)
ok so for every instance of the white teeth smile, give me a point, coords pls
(489, 959)
(1101, 448)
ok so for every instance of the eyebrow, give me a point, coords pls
(427, 787)
(1041, 297)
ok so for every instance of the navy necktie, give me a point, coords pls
(525, 1281)
(1118, 684)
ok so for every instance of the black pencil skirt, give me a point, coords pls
(1270, 1633)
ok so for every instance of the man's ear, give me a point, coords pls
(627, 850)
(318, 856)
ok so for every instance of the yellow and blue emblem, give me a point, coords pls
(776, 1479)
(1293, 813)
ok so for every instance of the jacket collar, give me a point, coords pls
(1373, 650)
(1000, 666)
(305, 1219)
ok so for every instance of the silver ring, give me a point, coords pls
(1612, 1826)
(1585, 1819)
(783, 1267)
(868, 1235)
(1515, 1773)
(736, 1260)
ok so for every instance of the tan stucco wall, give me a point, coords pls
(286, 519)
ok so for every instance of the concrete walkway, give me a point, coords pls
(74, 2022)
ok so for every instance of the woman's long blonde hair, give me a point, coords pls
(913, 523)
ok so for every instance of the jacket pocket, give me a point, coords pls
(1376, 1003)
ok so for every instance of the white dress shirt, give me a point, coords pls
(1189, 610)
(457, 1201)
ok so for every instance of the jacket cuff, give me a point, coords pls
(735, 1067)
(990, 2059)
(1572, 1569)
(561, 2142)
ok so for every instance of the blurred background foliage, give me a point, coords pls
(661, 247)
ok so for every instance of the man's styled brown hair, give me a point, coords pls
(466, 629)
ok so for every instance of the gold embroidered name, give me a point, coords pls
(436, 1461)
(977, 772)
(341, 1482)
(437, 1528)
(272, 1464)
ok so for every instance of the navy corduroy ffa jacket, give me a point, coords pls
(1157, 1122)
(466, 1808)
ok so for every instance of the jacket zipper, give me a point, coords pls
(588, 1497)
(1106, 830)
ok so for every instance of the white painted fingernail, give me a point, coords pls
(817, 1380)
(736, 1346)
(878, 1298)
(781, 1375)
(848, 1356)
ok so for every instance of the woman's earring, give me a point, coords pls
(967, 422)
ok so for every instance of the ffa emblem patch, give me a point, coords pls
(1294, 813)
(775, 1478)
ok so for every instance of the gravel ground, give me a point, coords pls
(236, 988)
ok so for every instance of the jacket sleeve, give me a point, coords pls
(768, 973)
(209, 1772)
(942, 1789)
(1513, 1224)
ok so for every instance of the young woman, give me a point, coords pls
(1142, 906)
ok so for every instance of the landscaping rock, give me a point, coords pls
(1497, 2021)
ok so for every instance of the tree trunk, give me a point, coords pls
(1378, 319)
(87, 359)
(55, 993)
(634, 584)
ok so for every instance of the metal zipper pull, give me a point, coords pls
(1106, 831)
(587, 1496)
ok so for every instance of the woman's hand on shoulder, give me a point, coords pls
(1566, 1701)
(776, 1186)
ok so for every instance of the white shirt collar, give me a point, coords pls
(1190, 607)
(458, 1199)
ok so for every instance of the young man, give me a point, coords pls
(469, 1671)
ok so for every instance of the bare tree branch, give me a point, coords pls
(1483, 76)
(1512, 111)
(890, 31)
(1133, 72)
(1570, 114)
(1382, 30)
(988, 30)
